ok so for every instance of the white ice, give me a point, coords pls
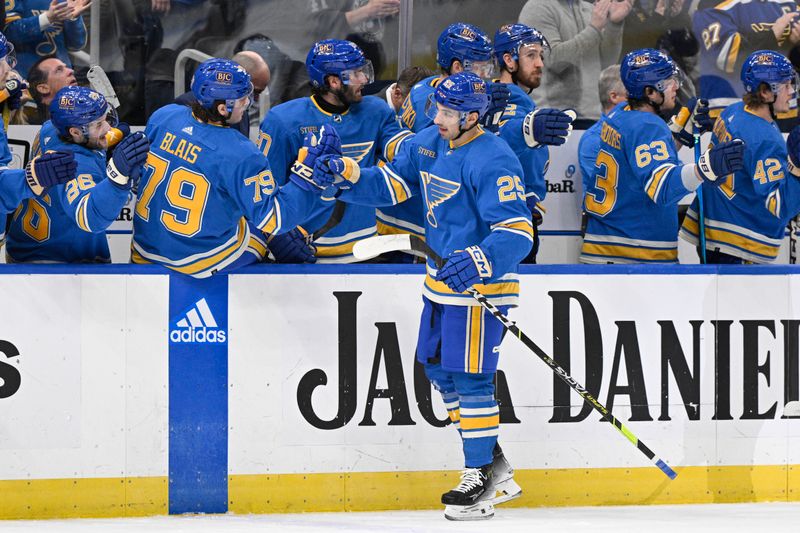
(727, 518)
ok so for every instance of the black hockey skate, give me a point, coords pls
(507, 489)
(472, 498)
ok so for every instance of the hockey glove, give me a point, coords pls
(465, 268)
(547, 126)
(339, 172)
(793, 147)
(12, 92)
(692, 118)
(721, 160)
(115, 135)
(129, 157)
(302, 172)
(292, 247)
(498, 100)
(50, 169)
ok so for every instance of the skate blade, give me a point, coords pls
(506, 491)
(460, 513)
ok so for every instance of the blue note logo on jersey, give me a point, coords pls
(437, 191)
(197, 324)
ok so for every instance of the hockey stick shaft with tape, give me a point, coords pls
(701, 218)
(375, 246)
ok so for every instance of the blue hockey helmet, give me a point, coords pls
(335, 57)
(647, 67)
(465, 43)
(220, 79)
(510, 37)
(766, 66)
(77, 107)
(7, 52)
(464, 92)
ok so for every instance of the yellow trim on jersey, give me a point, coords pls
(474, 342)
(733, 53)
(483, 422)
(524, 226)
(273, 219)
(257, 246)
(387, 229)
(631, 252)
(390, 150)
(734, 239)
(80, 215)
(478, 134)
(314, 101)
(490, 289)
(335, 250)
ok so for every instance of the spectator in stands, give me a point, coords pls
(288, 78)
(339, 18)
(585, 38)
(396, 93)
(45, 78)
(254, 65)
(45, 28)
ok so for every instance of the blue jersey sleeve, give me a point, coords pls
(390, 135)
(92, 201)
(534, 161)
(278, 145)
(13, 190)
(588, 148)
(501, 204)
(651, 155)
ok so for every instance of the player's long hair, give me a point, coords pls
(755, 99)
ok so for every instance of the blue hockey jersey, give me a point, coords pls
(13, 190)
(632, 202)
(201, 185)
(747, 215)
(728, 32)
(473, 194)
(33, 43)
(369, 132)
(68, 224)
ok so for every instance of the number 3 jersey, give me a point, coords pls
(68, 223)
(201, 185)
(746, 216)
(632, 202)
(472, 194)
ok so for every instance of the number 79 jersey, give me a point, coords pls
(632, 201)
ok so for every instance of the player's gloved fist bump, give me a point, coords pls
(721, 160)
(793, 147)
(465, 268)
(341, 172)
(547, 126)
(692, 118)
(302, 172)
(128, 158)
(498, 100)
(50, 169)
(292, 247)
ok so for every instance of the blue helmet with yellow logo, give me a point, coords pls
(220, 79)
(335, 57)
(7, 51)
(77, 107)
(462, 42)
(646, 67)
(766, 66)
(510, 37)
(464, 92)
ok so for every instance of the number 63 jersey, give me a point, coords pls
(632, 202)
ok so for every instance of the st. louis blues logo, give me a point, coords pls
(437, 191)
(357, 151)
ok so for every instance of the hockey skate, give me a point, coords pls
(503, 474)
(472, 498)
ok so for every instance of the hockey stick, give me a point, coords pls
(794, 228)
(374, 246)
(99, 81)
(336, 217)
(701, 219)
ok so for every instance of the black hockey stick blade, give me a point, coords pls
(336, 217)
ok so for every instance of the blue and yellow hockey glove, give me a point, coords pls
(692, 118)
(498, 100)
(793, 147)
(302, 172)
(11, 92)
(292, 247)
(547, 126)
(50, 169)
(721, 160)
(465, 268)
(339, 172)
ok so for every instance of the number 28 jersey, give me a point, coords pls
(632, 201)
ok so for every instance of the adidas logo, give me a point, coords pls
(198, 325)
(188, 130)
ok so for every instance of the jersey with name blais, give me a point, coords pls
(473, 195)
(369, 133)
(632, 202)
(68, 224)
(201, 185)
(746, 216)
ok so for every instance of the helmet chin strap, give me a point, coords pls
(655, 105)
(462, 131)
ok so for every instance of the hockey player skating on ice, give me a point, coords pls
(68, 224)
(366, 125)
(746, 216)
(207, 196)
(476, 217)
(638, 178)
